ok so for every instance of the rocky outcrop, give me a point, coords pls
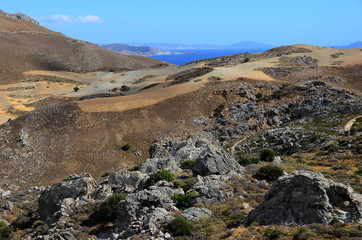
(208, 158)
(126, 181)
(73, 187)
(211, 189)
(305, 197)
(144, 210)
(19, 16)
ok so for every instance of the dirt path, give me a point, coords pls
(237, 143)
(350, 123)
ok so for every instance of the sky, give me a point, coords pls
(278, 22)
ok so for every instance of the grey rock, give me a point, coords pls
(194, 213)
(214, 161)
(144, 209)
(9, 206)
(304, 197)
(210, 189)
(75, 187)
(156, 164)
(126, 181)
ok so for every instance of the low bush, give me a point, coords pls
(107, 211)
(248, 160)
(358, 172)
(158, 176)
(185, 184)
(181, 201)
(76, 89)
(6, 232)
(22, 221)
(180, 226)
(126, 146)
(187, 164)
(271, 233)
(267, 154)
(269, 173)
(296, 236)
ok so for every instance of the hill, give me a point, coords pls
(24, 46)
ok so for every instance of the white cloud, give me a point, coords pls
(69, 19)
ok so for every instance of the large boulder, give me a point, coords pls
(305, 197)
(126, 181)
(74, 187)
(144, 209)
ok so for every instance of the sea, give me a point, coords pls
(197, 54)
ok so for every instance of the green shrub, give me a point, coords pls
(185, 184)
(105, 174)
(259, 96)
(158, 176)
(181, 201)
(126, 146)
(187, 164)
(296, 236)
(37, 223)
(269, 173)
(40, 227)
(358, 172)
(22, 222)
(135, 168)
(278, 94)
(271, 233)
(107, 211)
(267, 154)
(76, 89)
(248, 160)
(6, 232)
(180, 226)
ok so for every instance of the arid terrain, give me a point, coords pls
(71, 107)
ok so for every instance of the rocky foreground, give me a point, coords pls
(218, 181)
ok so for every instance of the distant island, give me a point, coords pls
(146, 51)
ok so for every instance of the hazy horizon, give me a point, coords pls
(325, 23)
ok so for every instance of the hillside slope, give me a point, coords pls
(25, 46)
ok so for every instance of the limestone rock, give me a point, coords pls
(194, 213)
(125, 180)
(75, 187)
(305, 197)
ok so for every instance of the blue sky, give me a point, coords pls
(278, 22)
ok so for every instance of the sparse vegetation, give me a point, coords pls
(76, 89)
(244, 161)
(181, 201)
(180, 226)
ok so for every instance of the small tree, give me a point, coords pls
(180, 226)
(267, 154)
(76, 89)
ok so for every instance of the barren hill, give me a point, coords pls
(25, 46)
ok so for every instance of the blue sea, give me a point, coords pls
(197, 54)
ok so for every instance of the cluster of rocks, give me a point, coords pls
(19, 16)
(145, 210)
(316, 99)
(305, 197)
(298, 61)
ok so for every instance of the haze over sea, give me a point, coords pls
(197, 54)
